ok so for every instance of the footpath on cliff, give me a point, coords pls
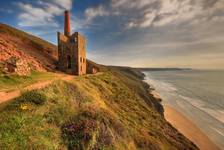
(7, 96)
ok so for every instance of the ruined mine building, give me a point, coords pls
(71, 50)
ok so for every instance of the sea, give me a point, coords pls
(197, 94)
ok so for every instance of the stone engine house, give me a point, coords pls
(71, 50)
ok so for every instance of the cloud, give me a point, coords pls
(92, 13)
(158, 13)
(146, 20)
(177, 12)
(64, 4)
(42, 13)
(34, 16)
(130, 4)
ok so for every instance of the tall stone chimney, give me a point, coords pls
(67, 27)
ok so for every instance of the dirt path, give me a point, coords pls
(6, 96)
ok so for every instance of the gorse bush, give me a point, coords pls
(34, 97)
(27, 100)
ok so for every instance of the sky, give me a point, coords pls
(136, 33)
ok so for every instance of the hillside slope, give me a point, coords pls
(109, 110)
(41, 54)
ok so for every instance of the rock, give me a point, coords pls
(18, 66)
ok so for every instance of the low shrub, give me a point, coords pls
(145, 144)
(78, 134)
(27, 100)
(92, 129)
(105, 137)
(34, 97)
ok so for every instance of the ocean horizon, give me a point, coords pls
(197, 94)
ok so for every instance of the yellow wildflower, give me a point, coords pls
(24, 107)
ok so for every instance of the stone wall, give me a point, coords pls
(91, 68)
(81, 54)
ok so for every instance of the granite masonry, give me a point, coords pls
(71, 50)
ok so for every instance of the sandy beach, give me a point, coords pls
(188, 128)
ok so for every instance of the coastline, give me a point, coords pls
(185, 126)
(188, 128)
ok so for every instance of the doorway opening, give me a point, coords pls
(69, 64)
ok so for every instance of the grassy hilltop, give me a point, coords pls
(109, 110)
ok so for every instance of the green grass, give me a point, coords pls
(36, 126)
(14, 82)
(103, 111)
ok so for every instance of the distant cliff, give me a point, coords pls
(163, 69)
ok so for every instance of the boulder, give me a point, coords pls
(17, 66)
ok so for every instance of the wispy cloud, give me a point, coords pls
(147, 13)
(42, 13)
(64, 4)
(99, 11)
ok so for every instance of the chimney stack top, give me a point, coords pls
(67, 28)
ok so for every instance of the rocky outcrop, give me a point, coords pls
(40, 54)
(17, 66)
